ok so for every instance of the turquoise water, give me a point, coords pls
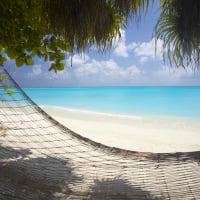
(138, 101)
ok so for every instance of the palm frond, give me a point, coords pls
(179, 28)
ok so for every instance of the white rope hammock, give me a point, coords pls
(41, 159)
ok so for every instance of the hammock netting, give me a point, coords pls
(41, 159)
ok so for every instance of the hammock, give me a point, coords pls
(41, 159)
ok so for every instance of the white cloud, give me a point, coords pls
(79, 59)
(36, 71)
(95, 67)
(150, 49)
(174, 73)
(166, 75)
(60, 75)
(66, 75)
(132, 46)
(106, 72)
(91, 72)
(121, 49)
(106, 68)
(134, 71)
(143, 59)
(145, 50)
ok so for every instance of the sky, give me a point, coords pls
(131, 62)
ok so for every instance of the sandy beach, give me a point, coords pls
(149, 134)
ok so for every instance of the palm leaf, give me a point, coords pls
(179, 27)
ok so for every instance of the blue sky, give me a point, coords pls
(131, 62)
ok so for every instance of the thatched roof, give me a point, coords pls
(48, 28)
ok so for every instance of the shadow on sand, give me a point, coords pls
(23, 177)
(118, 189)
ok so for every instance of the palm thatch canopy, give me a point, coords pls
(52, 28)
(85, 23)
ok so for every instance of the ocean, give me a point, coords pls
(178, 102)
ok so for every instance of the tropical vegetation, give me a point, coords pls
(179, 28)
(57, 29)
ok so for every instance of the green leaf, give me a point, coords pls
(61, 56)
(2, 60)
(10, 92)
(19, 62)
(2, 78)
(12, 53)
(52, 56)
(39, 54)
(60, 66)
(29, 61)
(43, 49)
(34, 52)
(6, 87)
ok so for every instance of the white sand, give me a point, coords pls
(133, 133)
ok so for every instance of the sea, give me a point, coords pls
(177, 102)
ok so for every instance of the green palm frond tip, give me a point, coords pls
(178, 27)
(2, 60)
(6, 87)
(2, 78)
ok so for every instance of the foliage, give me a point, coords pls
(85, 23)
(56, 29)
(52, 29)
(179, 28)
(6, 87)
(24, 34)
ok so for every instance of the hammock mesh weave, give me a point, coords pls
(41, 159)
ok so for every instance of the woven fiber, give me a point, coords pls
(42, 160)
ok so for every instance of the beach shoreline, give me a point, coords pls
(137, 133)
